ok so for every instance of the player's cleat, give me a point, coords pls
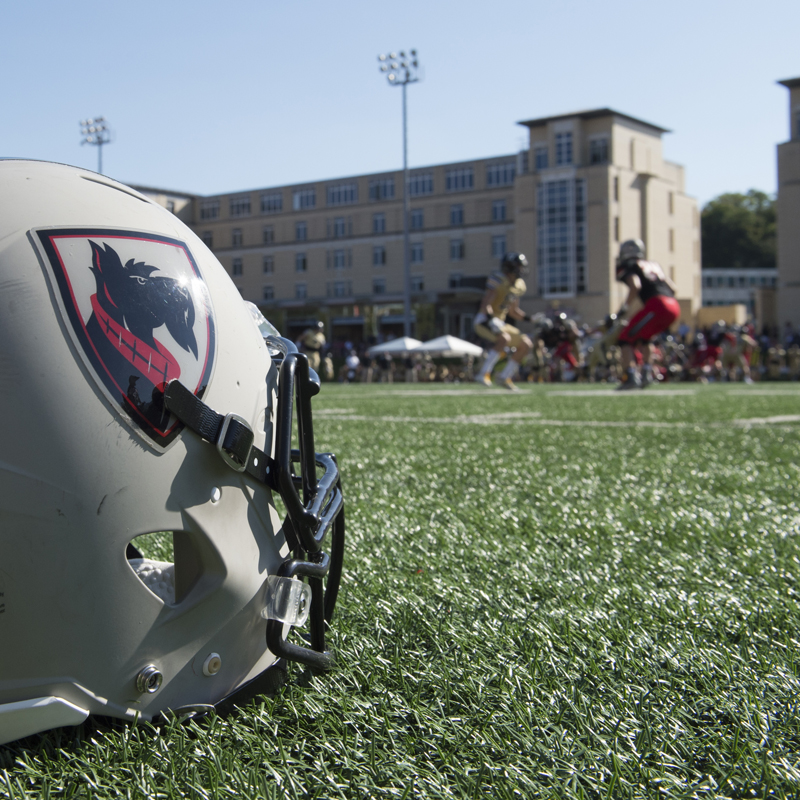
(486, 380)
(509, 384)
(631, 381)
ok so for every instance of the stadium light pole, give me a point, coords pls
(96, 131)
(400, 70)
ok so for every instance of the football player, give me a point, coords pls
(312, 342)
(500, 301)
(647, 282)
(604, 353)
(737, 348)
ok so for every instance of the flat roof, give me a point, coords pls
(593, 114)
(790, 83)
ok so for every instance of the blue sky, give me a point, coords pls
(210, 97)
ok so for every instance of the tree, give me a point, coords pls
(738, 231)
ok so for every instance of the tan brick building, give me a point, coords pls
(333, 249)
(789, 213)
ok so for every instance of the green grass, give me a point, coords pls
(594, 598)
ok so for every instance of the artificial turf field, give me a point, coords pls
(565, 592)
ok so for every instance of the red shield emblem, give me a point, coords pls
(139, 311)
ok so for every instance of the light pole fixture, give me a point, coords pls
(401, 69)
(96, 131)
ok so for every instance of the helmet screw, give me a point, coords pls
(149, 679)
(212, 665)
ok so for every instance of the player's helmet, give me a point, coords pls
(630, 250)
(514, 264)
(139, 397)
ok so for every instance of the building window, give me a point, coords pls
(598, 150)
(300, 231)
(417, 253)
(457, 214)
(379, 285)
(240, 206)
(580, 236)
(671, 202)
(268, 265)
(616, 191)
(671, 240)
(381, 189)
(378, 256)
(417, 283)
(300, 291)
(339, 228)
(171, 206)
(236, 237)
(268, 293)
(417, 219)
(459, 180)
(709, 282)
(420, 184)
(340, 288)
(209, 209)
(456, 249)
(236, 267)
(498, 210)
(562, 237)
(340, 259)
(208, 239)
(616, 229)
(540, 157)
(563, 148)
(498, 246)
(379, 223)
(300, 262)
(268, 234)
(454, 281)
(271, 203)
(343, 194)
(304, 198)
(500, 174)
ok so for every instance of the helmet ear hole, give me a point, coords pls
(156, 546)
(168, 563)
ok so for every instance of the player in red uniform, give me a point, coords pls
(647, 282)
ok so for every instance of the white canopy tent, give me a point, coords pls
(397, 347)
(449, 347)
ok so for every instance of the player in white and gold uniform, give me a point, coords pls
(737, 348)
(499, 302)
(312, 342)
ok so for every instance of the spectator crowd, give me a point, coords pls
(565, 351)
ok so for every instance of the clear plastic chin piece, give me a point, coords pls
(287, 600)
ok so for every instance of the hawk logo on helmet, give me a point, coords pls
(138, 309)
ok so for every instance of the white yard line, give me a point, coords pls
(616, 393)
(534, 418)
(782, 392)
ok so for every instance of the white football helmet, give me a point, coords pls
(140, 397)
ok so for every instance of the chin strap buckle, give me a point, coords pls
(231, 434)
(234, 441)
